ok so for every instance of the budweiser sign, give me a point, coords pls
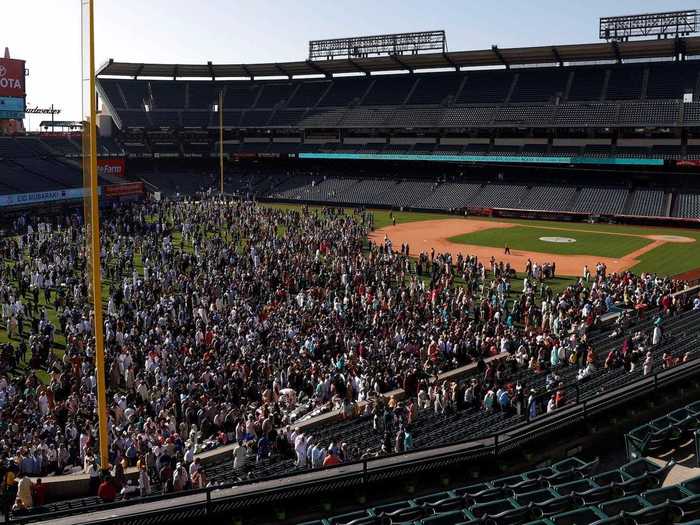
(11, 78)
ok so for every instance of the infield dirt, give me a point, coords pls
(423, 236)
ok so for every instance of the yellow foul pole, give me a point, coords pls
(95, 253)
(221, 140)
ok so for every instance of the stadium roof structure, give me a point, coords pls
(521, 56)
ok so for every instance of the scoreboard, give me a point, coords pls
(12, 89)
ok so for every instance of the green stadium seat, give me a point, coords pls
(692, 485)
(407, 514)
(580, 485)
(508, 481)
(515, 516)
(626, 504)
(674, 492)
(599, 494)
(445, 518)
(368, 520)
(690, 506)
(559, 504)
(492, 508)
(613, 520)
(536, 496)
(638, 467)
(347, 518)
(539, 473)
(390, 507)
(568, 464)
(431, 498)
(656, 514)
(447, 504)
(637, 485)
(488, 495)
(565, 476)
(582, 516)
(611, 476)
(471, 489)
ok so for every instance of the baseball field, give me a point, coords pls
(662, 250)
(571, 245)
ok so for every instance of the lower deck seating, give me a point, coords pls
(568, 492)
(688, 205)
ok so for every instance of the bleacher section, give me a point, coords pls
(27, 165)
(451, 196)
(601, 200)
(688, 205)
(664, 434)
(647, 203)
(569, 492)
(34, 164)
(566, 96)
(430, 195)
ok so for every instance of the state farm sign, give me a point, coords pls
(11, 78)
(114, 167)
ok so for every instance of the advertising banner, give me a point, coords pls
(688, 163)
(25, 199)
(114, 167)
(11, 78)
(484, 158)
(11, 108)
(124, 190)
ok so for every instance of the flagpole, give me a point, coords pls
(221, 140)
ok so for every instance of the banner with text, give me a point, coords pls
(11, 78)
(503, 159)
(124, 190)
(113, 167)
(688, 163)
(26, 199)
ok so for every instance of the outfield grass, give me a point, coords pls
(527, 238)
(382, 218)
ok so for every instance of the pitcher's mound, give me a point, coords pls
(671, 238)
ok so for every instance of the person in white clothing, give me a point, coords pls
(300, 448)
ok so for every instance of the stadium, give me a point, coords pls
(388, 283)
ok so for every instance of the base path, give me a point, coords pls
(422, 236)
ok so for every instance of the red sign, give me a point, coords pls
(688, 163)
(114, 167)
(11, 78)
(123, 190)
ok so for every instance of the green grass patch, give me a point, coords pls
(527, 238)
(670, 259)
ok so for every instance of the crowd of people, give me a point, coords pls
(225, 321)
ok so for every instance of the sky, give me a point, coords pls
(47, 33)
